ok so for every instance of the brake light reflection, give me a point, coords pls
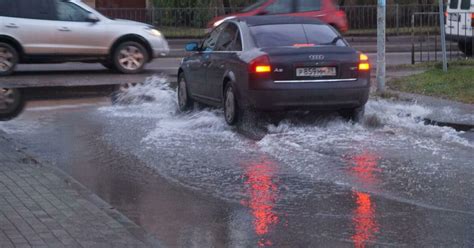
(263, 196)
(364, 216)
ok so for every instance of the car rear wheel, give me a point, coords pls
(185, 103)
(355, 115)
(11, 103)
(8, 59)
(130, 57)
(231, 107)
(466, 47)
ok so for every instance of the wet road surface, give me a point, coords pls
(192, 181)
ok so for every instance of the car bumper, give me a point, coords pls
(457, 38)
(310, 96)
(160, 48)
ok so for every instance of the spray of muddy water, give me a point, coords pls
(413, 162)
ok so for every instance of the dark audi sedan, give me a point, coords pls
(274, 63)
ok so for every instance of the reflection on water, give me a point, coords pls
(263, 194)
(365, 224)
(364, 221)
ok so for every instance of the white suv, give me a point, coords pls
(56, 31)
(460, 24)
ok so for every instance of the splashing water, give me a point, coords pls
(206, 150)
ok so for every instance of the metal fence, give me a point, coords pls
(191, 22)
(426, 37)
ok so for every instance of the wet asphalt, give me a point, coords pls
(192, 181)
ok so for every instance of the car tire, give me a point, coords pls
(11, 103)
(8, 59)
(130, 58)
(231, 107)
(185, 103)
(465, 47)
(356, 114)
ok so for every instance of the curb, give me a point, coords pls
(134, 229)
(465, 126)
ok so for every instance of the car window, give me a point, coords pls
(453, 4)
(227, 37)
(254, 6)
(294, 34)
(8, 8)
(209, 44)
(237, 46)
(308, 5)
(280, 7)
(466, 4)
(67, 11)
(35, 9)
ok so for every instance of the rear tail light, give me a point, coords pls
(364, 62)
(472, 20)
(260, 65)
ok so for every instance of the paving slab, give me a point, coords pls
(41, 206)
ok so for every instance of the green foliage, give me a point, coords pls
(457, 84)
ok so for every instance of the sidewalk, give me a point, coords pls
(41, 206)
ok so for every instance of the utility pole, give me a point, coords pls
(443, 35)
(381, 63)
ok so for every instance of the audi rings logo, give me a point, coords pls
(316, 57)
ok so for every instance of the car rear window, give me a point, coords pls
(295, 34)
(254, 6)
(466, 4)
(308, 5)
(453, 4)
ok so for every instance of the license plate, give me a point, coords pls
(316, 72)
(455, 17)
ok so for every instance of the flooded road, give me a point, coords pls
(192, 181)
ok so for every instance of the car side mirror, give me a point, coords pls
(192, 47)
(92, 18)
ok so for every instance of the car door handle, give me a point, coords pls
(206, 64)
(222, 66)
(64, 29)
(11, 25)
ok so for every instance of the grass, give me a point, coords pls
(432, 64)
(457, 84)
(183, 33)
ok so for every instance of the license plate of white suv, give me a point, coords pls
(316, 72)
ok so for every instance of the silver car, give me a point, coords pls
(56, 31)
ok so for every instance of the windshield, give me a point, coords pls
(295, 34)
(254, 6)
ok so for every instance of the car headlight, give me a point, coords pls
(154, 32)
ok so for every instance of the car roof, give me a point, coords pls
(275, 20)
